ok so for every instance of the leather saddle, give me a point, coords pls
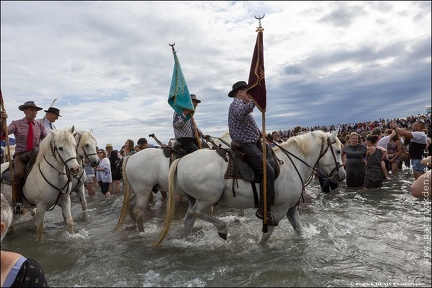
(239, 167)
(30, 159)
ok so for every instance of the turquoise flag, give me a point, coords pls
(179, 97)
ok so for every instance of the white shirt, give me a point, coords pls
(383, 142)
(47, 124)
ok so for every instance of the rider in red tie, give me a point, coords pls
(28, 134)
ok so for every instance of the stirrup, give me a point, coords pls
(18, 209)
(271, 219)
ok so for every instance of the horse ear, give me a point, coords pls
(333, 136)
(91, 131)
(72, 130)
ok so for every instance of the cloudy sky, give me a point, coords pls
(109, 64)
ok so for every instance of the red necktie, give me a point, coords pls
(30, 137)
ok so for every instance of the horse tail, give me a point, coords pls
(171, 201)
(127, 195)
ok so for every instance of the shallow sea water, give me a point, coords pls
(351, 238)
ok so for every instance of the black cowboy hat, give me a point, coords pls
(29, 104)
(193, 97)
(237, 86)
(54, 110)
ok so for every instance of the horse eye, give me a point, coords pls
(86, 145)
(60, 148)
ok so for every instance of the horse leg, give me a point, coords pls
(198, 210)
(266, 236)
(189, 222)
(83, 200)
(140, 208)
(294, 218)
(66, 211)
(40, 215)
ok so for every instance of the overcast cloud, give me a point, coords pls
(109, 65)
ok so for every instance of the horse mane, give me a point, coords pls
(225, 136)
(303, 141)
(57, 136)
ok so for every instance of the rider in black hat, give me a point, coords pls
(244, 131)
(50, 117)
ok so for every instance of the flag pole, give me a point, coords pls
(264, 147)
(257, 92)
(5, 129)
(196, 132)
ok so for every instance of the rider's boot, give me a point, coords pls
(19, 207)
(271, 218)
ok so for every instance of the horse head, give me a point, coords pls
(331, 157)
(86, 147)
(62, 146)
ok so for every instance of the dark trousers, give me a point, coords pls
(188, 144)
(255, 158)
(104, 186)
(19, 167)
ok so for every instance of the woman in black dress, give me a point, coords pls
(353, 157)
(114, 159)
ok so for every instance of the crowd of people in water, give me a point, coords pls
(376, 150)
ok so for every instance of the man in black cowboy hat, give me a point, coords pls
(28, 135)
(50, 117)
(184, 131)
(244, 131)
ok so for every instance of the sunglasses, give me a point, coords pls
(100, 152)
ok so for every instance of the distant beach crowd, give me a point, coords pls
(362, 128)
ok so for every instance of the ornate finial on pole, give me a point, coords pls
(172, 47)
(260, 29)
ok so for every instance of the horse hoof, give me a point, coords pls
(223, 235)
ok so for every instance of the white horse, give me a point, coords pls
(200, 175)
(86, 149)
(50, 180)
(143, 172)
(5, 152)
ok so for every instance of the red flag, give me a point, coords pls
(257, 88)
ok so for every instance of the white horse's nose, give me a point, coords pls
(341, 174)
(94, 163)
(75, 169)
